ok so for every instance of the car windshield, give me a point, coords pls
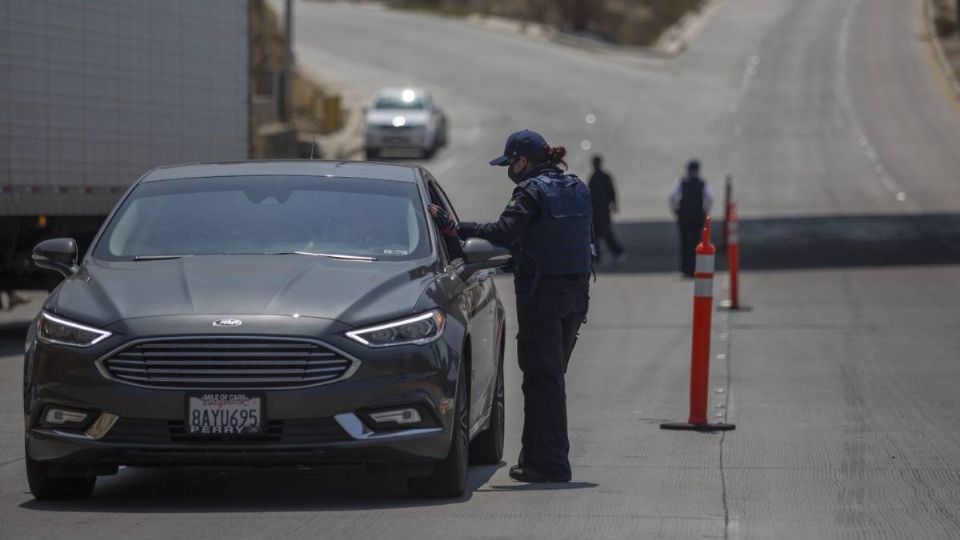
(381, 219)
(398, 102)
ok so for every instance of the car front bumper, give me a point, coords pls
(419, 139)
(143, 426)
(74, 452)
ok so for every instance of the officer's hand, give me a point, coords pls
(446, 224)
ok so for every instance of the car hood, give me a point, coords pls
(352, 292)
(384, 117)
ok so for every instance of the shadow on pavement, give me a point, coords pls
(188, 490)
(12, 336)
(804, 243)
(540, 487)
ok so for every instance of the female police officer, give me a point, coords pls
(547, 225)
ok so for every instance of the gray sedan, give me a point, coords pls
(287, 313)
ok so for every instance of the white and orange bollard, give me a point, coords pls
(700, 350)
(733, 262)
(733, 257)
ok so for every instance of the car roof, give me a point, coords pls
(304, 167)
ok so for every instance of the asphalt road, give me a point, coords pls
(842, 379)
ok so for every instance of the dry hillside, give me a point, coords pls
(626, 22)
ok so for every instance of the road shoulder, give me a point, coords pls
(946, 73)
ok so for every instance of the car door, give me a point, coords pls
(480, 297)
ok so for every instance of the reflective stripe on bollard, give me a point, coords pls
(703, 288)
(703, 275)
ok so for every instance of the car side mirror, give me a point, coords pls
(57, 254)
(479, 254)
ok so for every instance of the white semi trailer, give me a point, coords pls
(95, 93)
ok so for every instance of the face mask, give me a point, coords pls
(516, 173)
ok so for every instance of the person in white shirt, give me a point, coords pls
(690, 201)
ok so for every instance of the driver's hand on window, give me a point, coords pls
(444, 222)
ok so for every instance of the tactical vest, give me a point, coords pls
(691, 198)
(560, 240)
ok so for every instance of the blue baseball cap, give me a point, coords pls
(526, 143)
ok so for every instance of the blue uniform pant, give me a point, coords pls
(549, 320)
(691, 229)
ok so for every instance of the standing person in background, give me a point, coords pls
(690, 201)
(604, 197)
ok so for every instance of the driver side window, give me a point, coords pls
(438, 197)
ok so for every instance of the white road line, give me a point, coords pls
(846, 103)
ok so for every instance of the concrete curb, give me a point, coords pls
(673, 42)
(945, 65)
(595, 45)
(504, 25)
(677, 39)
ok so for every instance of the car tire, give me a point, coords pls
(46, 487)
(449, 478)
(487, 446)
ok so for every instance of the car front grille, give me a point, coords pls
(233, 363)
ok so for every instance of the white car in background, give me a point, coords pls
(403, 121)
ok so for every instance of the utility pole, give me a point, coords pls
(286, 80)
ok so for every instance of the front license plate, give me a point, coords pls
(215, 413)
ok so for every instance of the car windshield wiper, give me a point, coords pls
(328, 255)
(158, 257)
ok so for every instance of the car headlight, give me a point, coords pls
(63, 332)
(418, 330)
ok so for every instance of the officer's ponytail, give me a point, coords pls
(555, 156)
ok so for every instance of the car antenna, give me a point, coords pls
(313, 146)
